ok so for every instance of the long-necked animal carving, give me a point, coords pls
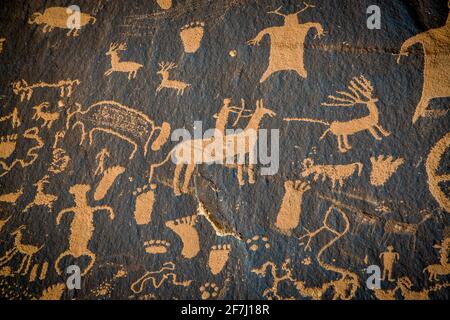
(125, 123)
(360, 93)
(189, 153)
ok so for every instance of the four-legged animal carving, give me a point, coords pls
(170, 84)
(26, 249)
(336, 173)
(82, 226)
(129, 67)
(41, 198)
(48, 117)
(360, 93)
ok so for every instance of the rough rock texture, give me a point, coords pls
(311, 230)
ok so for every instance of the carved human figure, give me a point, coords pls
(389, 258)
(287, 43)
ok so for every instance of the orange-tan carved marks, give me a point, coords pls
(47, 117)
(3, 222)
(191, 36)
(258, 242)
(389, 258)
(288, 216)
(100, 158)
(109, 177)
(129, 67)
(13, 117)
(144, 204)
(8, 144)
(443, 267)
(7, 148)
(2, 44)
(360, 93)
(218, 257)
(158, 277)
(383, 167)
(53, 292)
(287, 43)
(156, 246)
(179, 86)
(59, 17)
(336, 173)
(60, 158)
(164, 4)
(436, 77)
(209, 290)
(189, 153)
(41, 198)
(11, 197)
(81, 227)
(185, 229)
(435, 180)
(25, 90)
(123, 122)
(27, 250)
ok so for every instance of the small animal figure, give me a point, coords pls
(48, 117)
(336, 173)
(129, 67)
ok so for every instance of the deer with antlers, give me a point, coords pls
(166, 82)
(360, 92)
(41, 198)
(129, 67)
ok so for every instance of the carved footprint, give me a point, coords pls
(144, 204)
(258, 242)
(156, 246)
(218, 257)
(184, 228)
(209, 290)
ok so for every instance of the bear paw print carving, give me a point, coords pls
(209, 290)
(156, 246)
(258, 242)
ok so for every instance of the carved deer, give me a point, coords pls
(129, 67)
(166, 82)
(360, 93)
(41, 198)
(27, 250)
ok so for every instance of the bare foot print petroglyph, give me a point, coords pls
(218, 257)
(184, 228)
(156, 246)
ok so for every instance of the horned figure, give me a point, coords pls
(129, 67)
(287, 43)
(179, 86)
(125, 123)
(336, 173)
(360, 93)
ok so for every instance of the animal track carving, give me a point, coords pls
(218, 257)
(258, 242)
(383, 167)
(144, 204)
(209, 290)
(156, 246)
(191, 35)
(288, 216)
(185, 229)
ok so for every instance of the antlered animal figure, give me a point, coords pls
(60, 17)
